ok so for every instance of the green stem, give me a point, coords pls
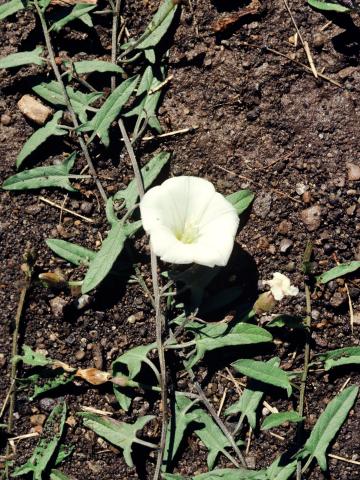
(146, 444)
(178, 346)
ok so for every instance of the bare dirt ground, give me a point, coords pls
(262, 122)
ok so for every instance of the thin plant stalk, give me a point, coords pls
(114, 38)
(67, 100)
(159, 318)
(307, 321)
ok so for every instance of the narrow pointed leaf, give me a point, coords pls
(78, 12)
(22, 58)
(47, 445)
(112, 107)
(341, 356)
(149, 174)
(159, 25)
(338, 271)
(54, 176)
(71, 252)
(222, 474)
(276, 471)
(57, 475)
(40, 136)
(329, 423)
(249, 401)
(328, 6)
(241, 200)
(263, 372)
(9, 8)
(276, 419)
(52, 93)
(120, 434)
(105, 258)
(90, 66)
(246, 334)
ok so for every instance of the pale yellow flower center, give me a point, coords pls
(188, 234)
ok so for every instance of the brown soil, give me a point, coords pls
(263, 122)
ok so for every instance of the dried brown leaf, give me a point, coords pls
(93, 375)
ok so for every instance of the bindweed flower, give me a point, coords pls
(280, 286)
(189, 222)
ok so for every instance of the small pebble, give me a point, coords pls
(38, 419)
(306, 197)
(284, 227)
(135, 317)
(57, 306)
(312, 217)
(337, 300)
(86, 208)
(285, 245)
(33, 109)
(80, 354)
(353, 171)
(300, 188)
(47, 404)
(5, 120)
(2, 360)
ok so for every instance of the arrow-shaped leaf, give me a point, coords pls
(54, 176)
(329, 423)
(40, 136)
(46, 447)
(249, 401)
(90, 66)
(246, 334)
(149, 174)
(133, 359)
(22, 58)
(101, 122)
(121, 434)
(52, 93)
(263, 372)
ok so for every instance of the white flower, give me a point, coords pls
(280, 286)
(188, 221)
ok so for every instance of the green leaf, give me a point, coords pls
(57, 475)
(245, 334)
(263, 372)
(249, 401)
(71, 252)
(90, 66)
(45, 449)
(289, 321)
(159, 25)
(146, 109)
(29, 357)
(280, 472)
(105, 258)
(133, 359)
(339, 271)
(149, 174)
(329, 423)
(9, 8)
(54, 176)
(276, 419)
(120, 434)
(52, 384)
(341, 356)
(222, 474)
(22, 58)
(179, 421)
(328, 6)
(101, 122)
(241, 200)
(40, 136)
(77, 12)
(64, 451)
(211, 436)
(52, 93)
